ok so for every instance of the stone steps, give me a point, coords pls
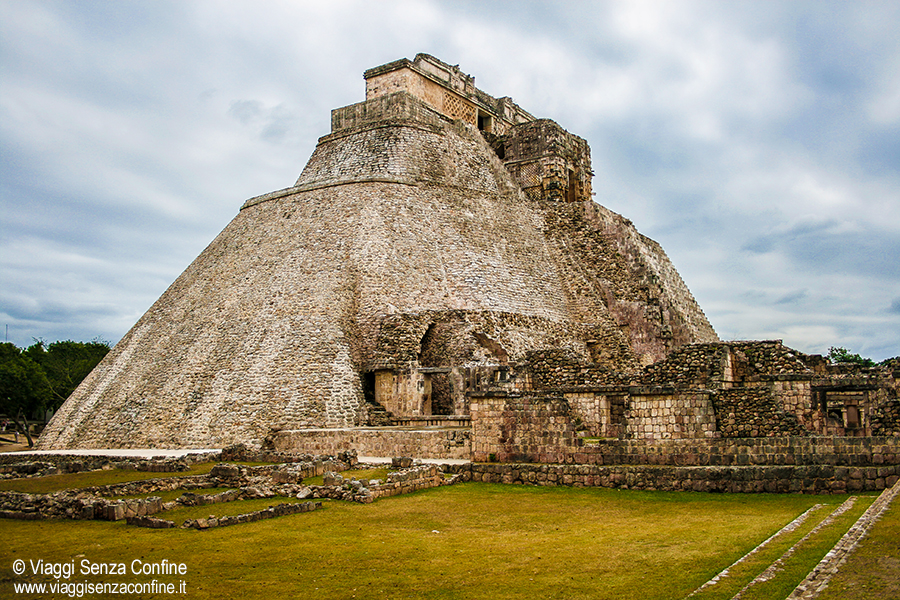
(819, 577)
(378, 416)
(774, 575)
(819, 525)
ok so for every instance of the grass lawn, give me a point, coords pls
(873, 571)
(466, 541)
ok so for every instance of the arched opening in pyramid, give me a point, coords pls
(444, 345)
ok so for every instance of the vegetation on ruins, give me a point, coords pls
(839, 354)
(41, 376)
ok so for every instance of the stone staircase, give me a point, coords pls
(765, 571)
(377, 415)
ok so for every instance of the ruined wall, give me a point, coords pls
(421, 443)
(696, 366)
(561, 368)
(772, 357)
(513, 428)
(885, 418)
(754, 412)
(730, 364)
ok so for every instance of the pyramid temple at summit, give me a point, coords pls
(440, 264)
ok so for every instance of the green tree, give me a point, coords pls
(838, 354)
(23, 384)
(66, 364)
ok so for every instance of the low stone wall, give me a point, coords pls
(241, 453)
(192, 499)
(773, 451)
(148, 486)
(16, 505)
(231, 475)
(279, 510)
(16, 465)
(377, 441)
(410, 480)
(809, 479)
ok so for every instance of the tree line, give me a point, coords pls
(39, 378)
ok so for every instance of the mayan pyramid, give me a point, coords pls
(435, 227)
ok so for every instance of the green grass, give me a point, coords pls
(739, 575)
(466, 541)
(873, 570)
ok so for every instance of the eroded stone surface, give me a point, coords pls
(414, 256)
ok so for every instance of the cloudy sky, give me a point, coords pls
(758, 142)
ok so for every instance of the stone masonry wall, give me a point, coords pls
(664, 413)
(599, 412)
(813, 450)
(521, 428)
(547, 162)
(423, 443)
(754, 412)
(562, 368)
(511, 428)
(792, 394)
(885, 419)
(399, 105)
(824, 479)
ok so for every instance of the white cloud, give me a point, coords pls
(718, 128)
(884, 107)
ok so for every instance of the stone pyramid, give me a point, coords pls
(435, 232)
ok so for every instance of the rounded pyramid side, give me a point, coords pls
(271, 325)
(217, 359)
